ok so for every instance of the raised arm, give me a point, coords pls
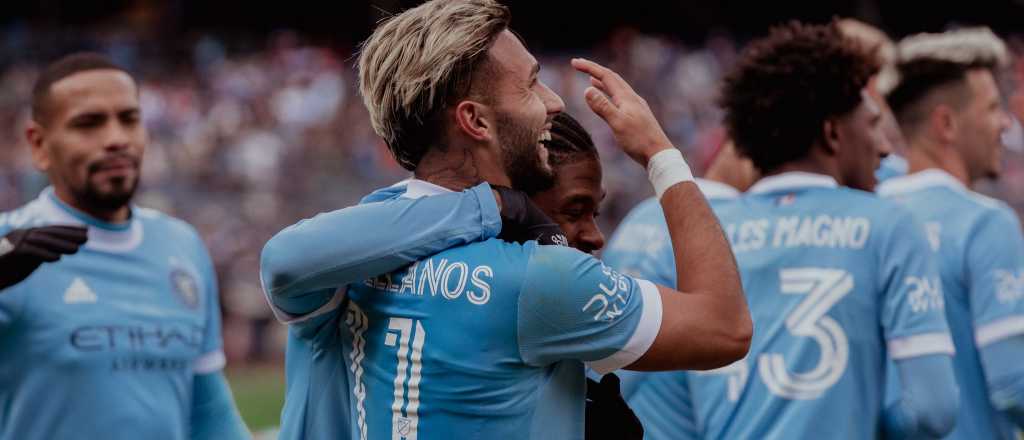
(305, 264)
(705, 321)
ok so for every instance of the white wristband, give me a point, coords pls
(667, 168)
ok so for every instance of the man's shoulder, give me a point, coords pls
(26, 216)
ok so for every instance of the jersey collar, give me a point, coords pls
(103, 236)
(793, 180)
(416, 188)
(716, 190)
(929, 178)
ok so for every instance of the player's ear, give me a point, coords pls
(943, 123)
(35, 133)
(830, 136)
(474, 120)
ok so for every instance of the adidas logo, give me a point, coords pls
(79, 293)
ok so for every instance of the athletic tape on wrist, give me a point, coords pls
(667, 168)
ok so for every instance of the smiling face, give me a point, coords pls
(91, 140)
(980, 125)
(574, 202)
(524, 107)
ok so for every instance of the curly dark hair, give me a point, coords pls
(570, 143)
(786, 85)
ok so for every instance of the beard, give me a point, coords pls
(526, 169)
(117, 194)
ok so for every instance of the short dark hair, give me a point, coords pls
(569, 143)
(786, 85)
(63, 68)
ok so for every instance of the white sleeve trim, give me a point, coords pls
(288, 318)
(209, 362)
(643, 336)
(999, 330)
(920, 345)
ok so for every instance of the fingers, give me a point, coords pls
(75, 234)
(40, 252)
(600, 104)
(610, 82)
(53, 243)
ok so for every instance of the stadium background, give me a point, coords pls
(255, 121)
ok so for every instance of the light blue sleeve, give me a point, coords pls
(214, 416)
(573, 306)
(1004, 374)
(995, 274)
(995, 259)
(921, 391)
(928, 401)
(303, 266)
(913, 306)
(661, 400)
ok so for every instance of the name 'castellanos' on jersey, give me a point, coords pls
(486, 370)
(105, 319)
(981, 254)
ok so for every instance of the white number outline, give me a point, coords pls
(824, 288)
(405, 411)
(405, 425)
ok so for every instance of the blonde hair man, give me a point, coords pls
(489, 339)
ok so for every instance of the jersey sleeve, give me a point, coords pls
(913, 317)
(573, 306)
(305, 267)
(211, 357)
(995, 277)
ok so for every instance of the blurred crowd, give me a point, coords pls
(246, 142)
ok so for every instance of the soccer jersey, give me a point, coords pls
(363, 241)
(104, 343)
(466, 343)
(835, 280)
(641, 247)
(893, 165)
(981, 254)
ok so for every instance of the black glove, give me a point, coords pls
(523, 221)
(22, 251)
(608, 416)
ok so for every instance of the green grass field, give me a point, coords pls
(259, 393)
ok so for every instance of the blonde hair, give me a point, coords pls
(417, 62)
(967, 46)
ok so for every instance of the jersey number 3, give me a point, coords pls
(824, 288)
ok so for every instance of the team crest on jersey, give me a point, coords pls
(185, 286)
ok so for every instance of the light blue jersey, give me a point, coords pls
(641, 247)
(982, 268)
(467, 343)
(893, 165)
(835, 280)
(306, 268)
(106, 343)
